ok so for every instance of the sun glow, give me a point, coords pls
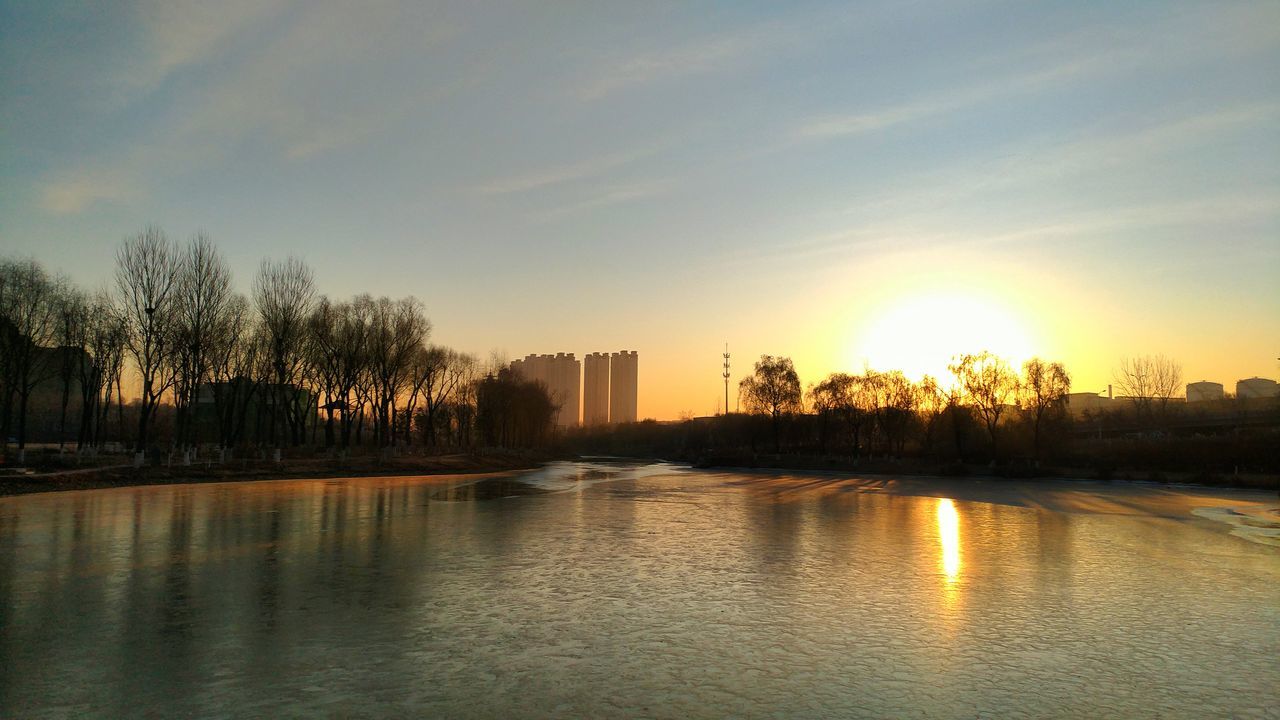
(920, 333)
(949, 536)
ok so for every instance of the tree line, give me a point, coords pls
(884, 411)
(283, 365)
(985, 410)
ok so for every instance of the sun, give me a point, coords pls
(920, 333)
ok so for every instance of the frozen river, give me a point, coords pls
(597, 590)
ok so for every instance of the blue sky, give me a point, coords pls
(668, 177)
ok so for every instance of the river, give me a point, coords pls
(600, 589)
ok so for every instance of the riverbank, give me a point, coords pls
(115, 476)
(1250, 514)
(898, 467)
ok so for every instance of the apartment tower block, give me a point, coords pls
(595, 389)
(562, 375)
(623, 386)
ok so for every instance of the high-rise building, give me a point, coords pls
(562, 375)
(595, 389)
(623, 386)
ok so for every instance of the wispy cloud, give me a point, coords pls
(612, 195)
(268, 96)
(180, 33)
(950, 100)
(721, 51)
(936, 209)
(581, 170)
(702, 56)
(1049, 66)
(74, 192)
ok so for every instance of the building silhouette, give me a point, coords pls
(605, 393)
(595, 389)
(1256, 387)
(1204, 391)
(623, 368)
(561, 374)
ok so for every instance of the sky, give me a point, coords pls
(852, 185)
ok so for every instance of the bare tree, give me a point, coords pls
(899, 401)
(202, 298)
(71, 337)
(462, 408)
(28, 323)
(845, 397)
(397, 331)
(234, 356)
(438, 374)
(989, 384)
(1150, 382)
(147, 268)
(103, 341)
(108, 338)
(933, 401)
(773, 389)
(1044, 392)
(427, 382)
(283, 293)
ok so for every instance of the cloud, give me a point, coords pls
(274, 92)
(181, 33)
(580, 170)
(950, 100)
(705, 55)
(723, 51)
(936, 208)
(610, 196)
(77, 191)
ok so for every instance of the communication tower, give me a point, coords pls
(726, 378)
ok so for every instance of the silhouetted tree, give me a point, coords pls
(845, 398)
(107, 339)
(773, 390)
(1150, 382)
(28, 322)
(989, 385)
(397, 331)
(898, 407)
(236, 356)
(283, 293)
(147, 269)
(932, 402)
(70, 338)
(202, 299)
(513, 412)
(1044, 392)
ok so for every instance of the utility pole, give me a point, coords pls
(726, 378)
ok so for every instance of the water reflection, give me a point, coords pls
(618, 591)
(949, 537)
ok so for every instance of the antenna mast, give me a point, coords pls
(726, 378)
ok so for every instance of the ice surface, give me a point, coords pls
(615, 590)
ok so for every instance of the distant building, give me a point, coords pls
(1079, 403)
(623, 376)
(562, 375)
(1256, 387)
(1204, 391)
(595, 389)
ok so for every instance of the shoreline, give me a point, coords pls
(123, 476)
(1250, 513)
(903, 468)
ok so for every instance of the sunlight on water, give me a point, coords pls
(949, 537)
(616, 590)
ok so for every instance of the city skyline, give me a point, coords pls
(881, 186)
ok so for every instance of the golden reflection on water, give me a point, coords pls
(949, 537)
